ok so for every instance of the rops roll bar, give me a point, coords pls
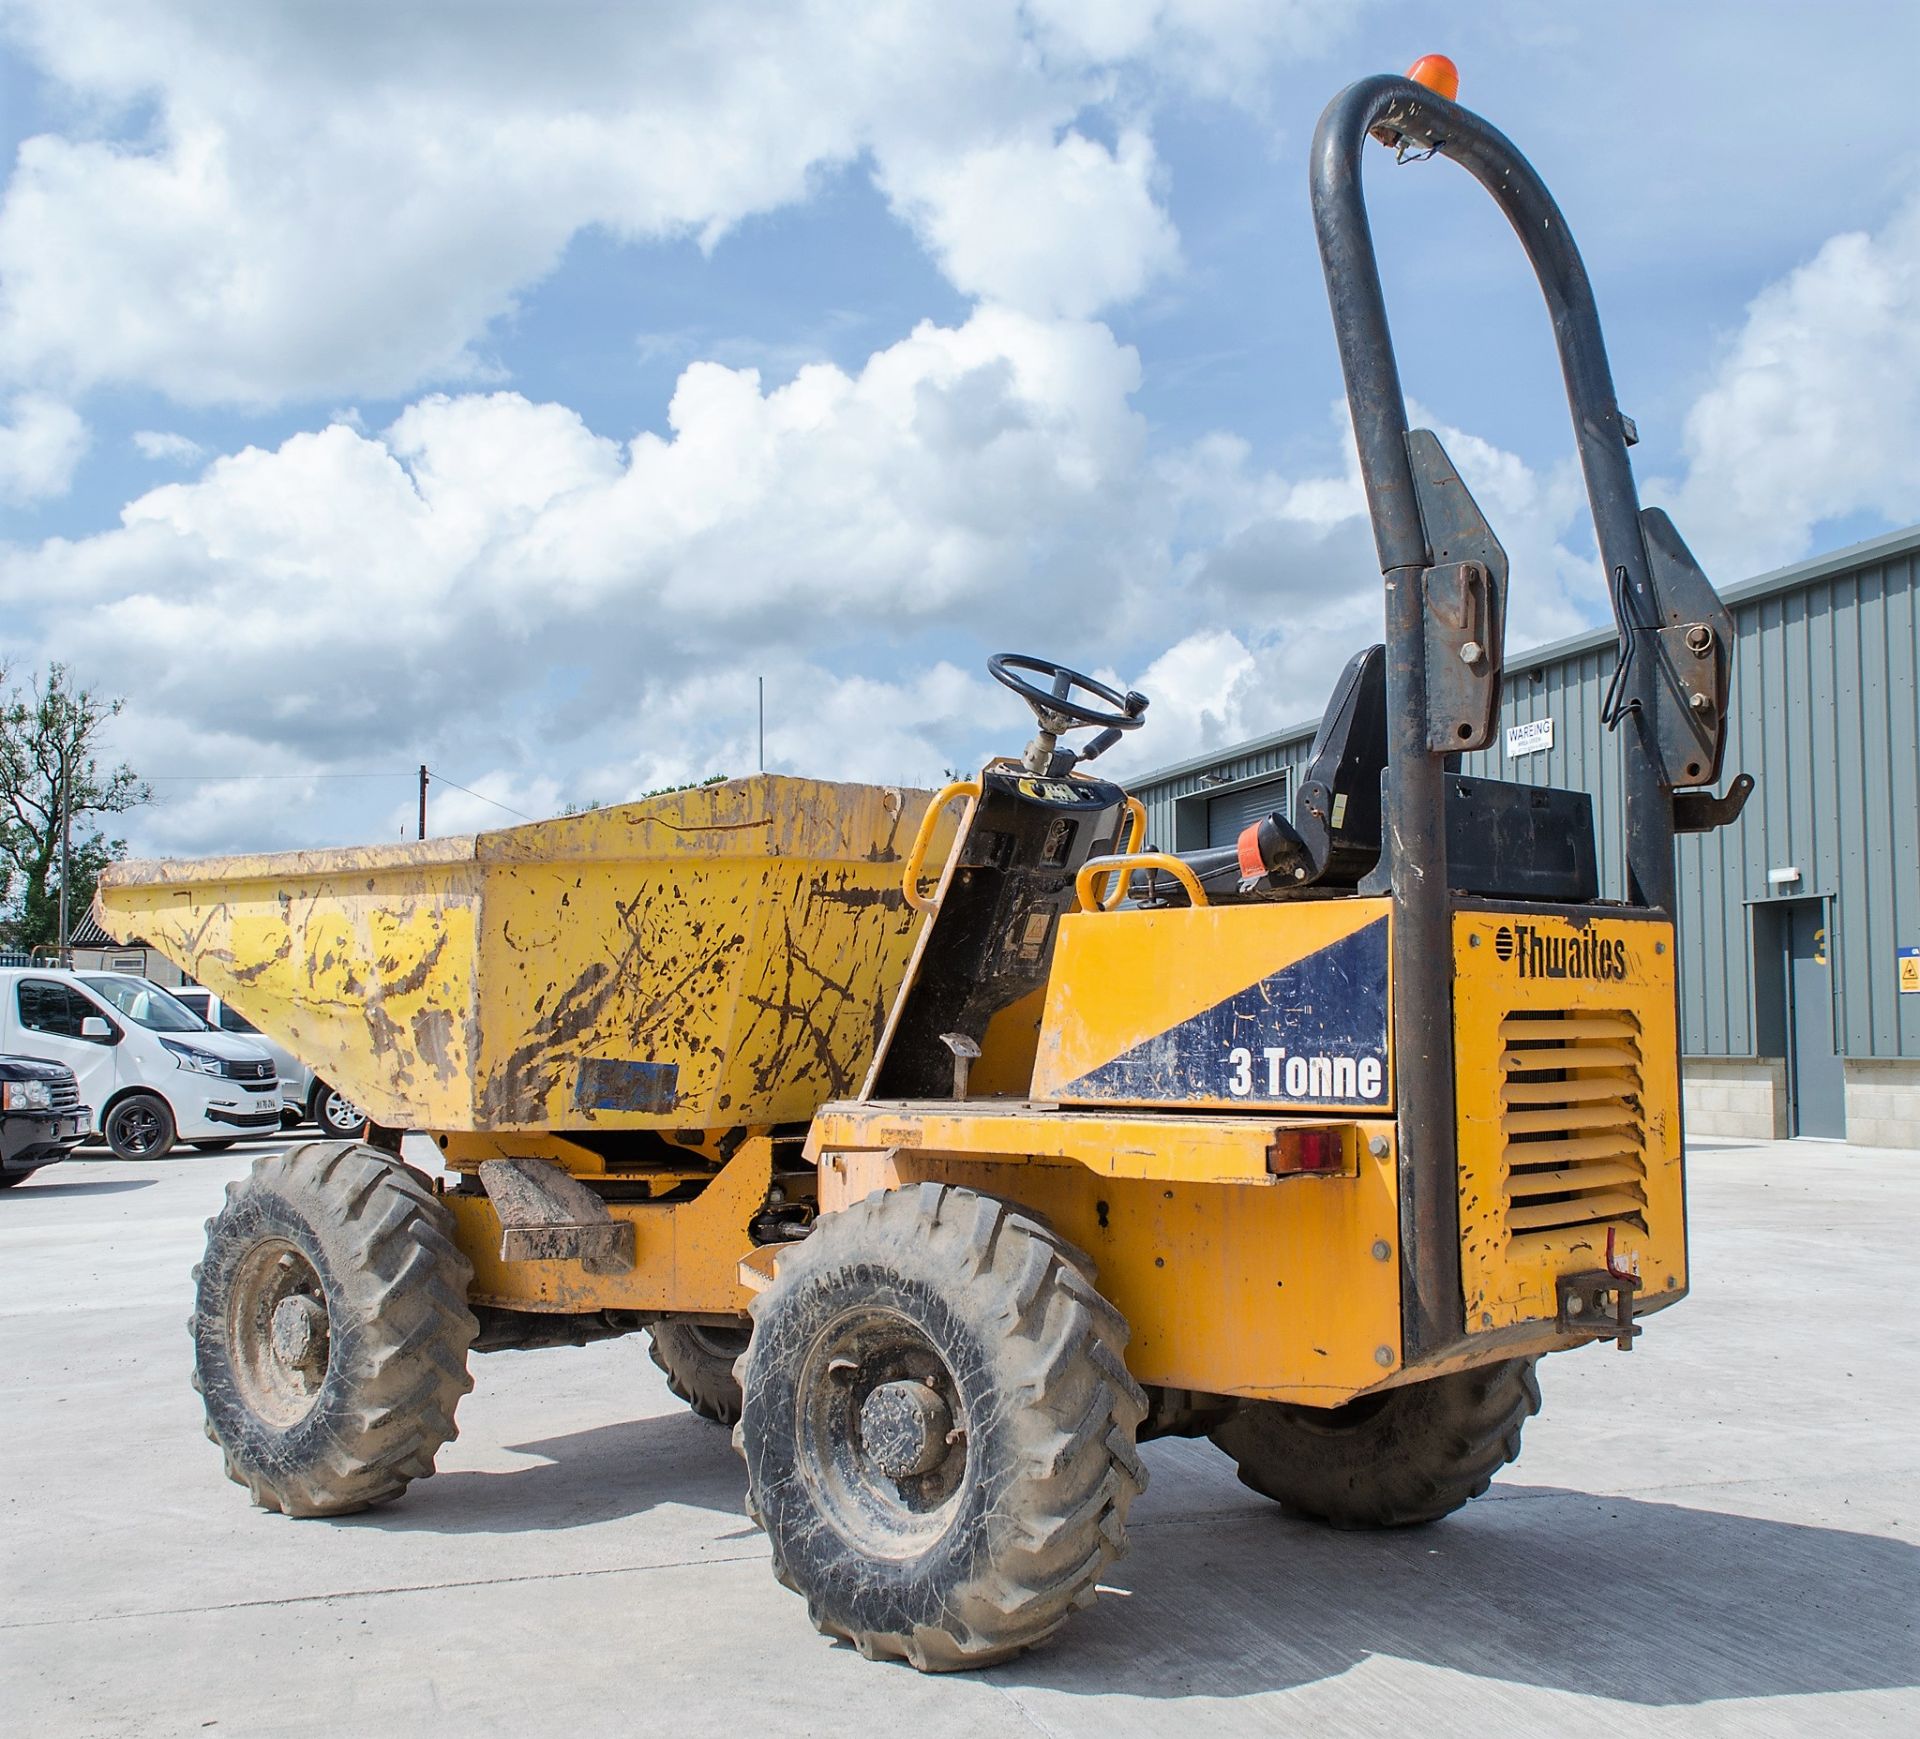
(1445, 575)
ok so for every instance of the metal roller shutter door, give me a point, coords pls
(1229, 814)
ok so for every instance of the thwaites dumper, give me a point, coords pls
(1313, 1146)
(614, 1026)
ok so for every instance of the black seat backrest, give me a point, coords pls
(1334, 835)
(1336, 811)
(1531, 842)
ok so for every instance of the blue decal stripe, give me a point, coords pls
(1313, 1033)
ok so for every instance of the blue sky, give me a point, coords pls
(508, 387)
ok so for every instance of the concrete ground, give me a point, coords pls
(1714, 1535)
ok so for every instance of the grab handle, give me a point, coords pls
(1136, 838)
(916, 858)
(1123, 864)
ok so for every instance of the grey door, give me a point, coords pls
(1229, 814)
(1816, 1086)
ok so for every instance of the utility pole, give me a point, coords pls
(761, 683)
(423, 800)
(66, 849)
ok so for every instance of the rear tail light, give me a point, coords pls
(1310, 1148)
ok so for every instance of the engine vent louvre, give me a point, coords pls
(1571, 1120)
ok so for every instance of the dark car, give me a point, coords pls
(41, 1117)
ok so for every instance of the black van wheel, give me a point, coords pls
(139, 1127)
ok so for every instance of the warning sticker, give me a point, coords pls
(1910, 971)
(1530, 738)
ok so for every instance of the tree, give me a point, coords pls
(49, 735)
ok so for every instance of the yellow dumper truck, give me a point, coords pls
(950, 1147)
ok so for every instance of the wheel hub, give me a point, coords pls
(279, 1333)
(904, 1427)
(299, 1335)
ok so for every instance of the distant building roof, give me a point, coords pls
(88, 934)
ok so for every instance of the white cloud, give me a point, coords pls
(1203, 694)
(1301, 549)
(488, 581)
(553, 616)
(1064, 227)
(1814, 410)
(41, 443)
(329, 202)
(489, 586)
(166, 447)
(495, 799)
(1215, 47)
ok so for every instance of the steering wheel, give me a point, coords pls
(1055, 706)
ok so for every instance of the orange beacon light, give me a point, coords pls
(1438, 74)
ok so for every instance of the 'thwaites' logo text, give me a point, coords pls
(1540, 954)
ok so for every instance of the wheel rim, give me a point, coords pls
(278, 1329)
(137, 1129)
(884, 1444)
(341, 1114)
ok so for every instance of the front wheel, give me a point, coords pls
(330, 1328)
(1388, 1460)
(938, 1427)
(140, 1127)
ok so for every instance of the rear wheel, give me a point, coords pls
(698, 1359)
(336, 1114)
(139, 1127)
(330, 1329)
(938, 1427)
(1389, 1460)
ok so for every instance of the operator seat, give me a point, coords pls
(1334, 836)
(1504, 840)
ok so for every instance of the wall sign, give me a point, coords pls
(1530, 738)
(1910, 971)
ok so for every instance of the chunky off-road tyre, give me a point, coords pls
(140, 1127)
(330, 1328)
(1390, 1460)
(938, 1427)
(698, 1359)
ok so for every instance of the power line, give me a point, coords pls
(442, 779)
(439, 778)
(230, 778)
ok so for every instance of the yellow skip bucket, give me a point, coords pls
(715, 957)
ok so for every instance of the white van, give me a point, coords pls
(302, 1092)
(152, 1070)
